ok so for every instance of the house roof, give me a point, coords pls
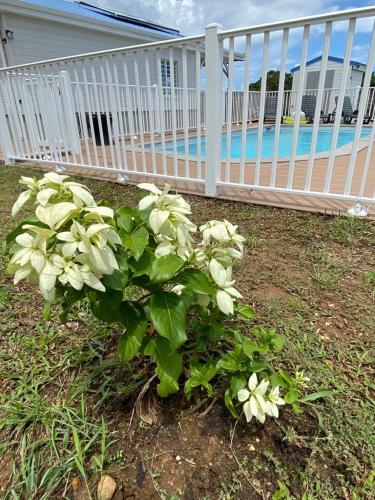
(330, 58)
(94, 13)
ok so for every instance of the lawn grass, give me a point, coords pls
(67, 401)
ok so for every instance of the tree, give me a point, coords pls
(372, 82)
(273, 81)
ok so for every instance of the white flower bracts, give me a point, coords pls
(76, 247)
(215, 255)
(168, 221)
(73, 241)
(257, 403)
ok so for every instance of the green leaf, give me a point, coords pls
(277, 343)
(231, 361)
(135, 322)
(201, 343)
(193, 382)
(165, 267)
(168, 365)
(71, 297)
(122, 261)
(195, 280)
(268, 338)
(47, 310)
(258, 366)
(126, 217)
(319, 416)
(135, 242)
(246, 311)
(249, 346)
(116, 281)
(288, 380)
(187, 296)
(200, 375)
(282, 492)
(296, 409)
(228, 400)
(106, 305)
(277, 381)
(125, 222)
(237, 382)
(144, 263)
(168, 315)
(126, 211)
(208, 370)
(292, 396)
(218, 331)
(145, 214)
(317, 395)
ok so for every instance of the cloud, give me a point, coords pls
(191, 16)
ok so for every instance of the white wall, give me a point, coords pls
(354, 78)
(37, 39)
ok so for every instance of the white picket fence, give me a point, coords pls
(109, 110)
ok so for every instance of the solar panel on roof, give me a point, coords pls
(96, 13)
(123, 17)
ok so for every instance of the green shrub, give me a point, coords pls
(174, 297)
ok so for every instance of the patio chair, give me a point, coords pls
(347, 112)
(270, 108)
(308, 107)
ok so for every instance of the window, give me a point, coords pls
(166, 73)
(313, 79)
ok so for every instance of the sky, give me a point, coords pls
(191, 17)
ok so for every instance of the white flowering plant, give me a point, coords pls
(167, 282)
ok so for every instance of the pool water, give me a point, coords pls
(346, 136)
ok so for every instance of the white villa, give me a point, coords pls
(333, 80)
(37, 30)
(41, 30)
(333, 75)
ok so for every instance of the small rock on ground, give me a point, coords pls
(106, 488)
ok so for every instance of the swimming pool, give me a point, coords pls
(346, 136)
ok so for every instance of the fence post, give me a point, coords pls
(5, 139)
(214, 106)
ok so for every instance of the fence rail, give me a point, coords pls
(86, 97)
(117, 110)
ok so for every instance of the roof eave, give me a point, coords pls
(330, 58)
